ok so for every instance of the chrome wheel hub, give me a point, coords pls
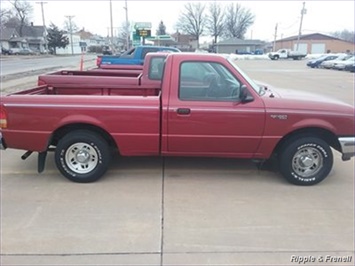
(81, 158)
(307, 162)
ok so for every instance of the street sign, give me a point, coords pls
(142, 25)
(136, 39)
(143, 33)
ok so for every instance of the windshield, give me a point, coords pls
(252, 83)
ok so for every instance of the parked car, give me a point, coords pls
(5, 51)
(317, 61)
(330, 63)
(106, 50)
(22, 51)
(350, 68)
(343, 64)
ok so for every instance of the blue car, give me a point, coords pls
(317, 61)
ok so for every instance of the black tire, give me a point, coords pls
(305, 161)
(276, 57)
(82, 156)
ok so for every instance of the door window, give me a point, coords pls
(207, 81)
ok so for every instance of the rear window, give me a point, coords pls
(156, 68)
(148, 50)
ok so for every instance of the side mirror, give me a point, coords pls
(245, 96)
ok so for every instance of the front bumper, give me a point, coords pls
(347, 145)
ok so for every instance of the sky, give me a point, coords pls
(321, 16)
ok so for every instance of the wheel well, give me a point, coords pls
(326, 135)
(62, 131)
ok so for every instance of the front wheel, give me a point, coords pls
(305, 161)
(82, 156)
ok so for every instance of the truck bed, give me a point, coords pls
(91, 78)
(92, 89)
(98, 72)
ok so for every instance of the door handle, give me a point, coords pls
(183, 111)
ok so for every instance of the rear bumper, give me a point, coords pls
(2, 144)
(347, 145)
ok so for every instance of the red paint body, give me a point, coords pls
(141, 114)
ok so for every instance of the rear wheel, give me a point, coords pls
(82, 156)
(305, 161)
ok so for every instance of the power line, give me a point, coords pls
(291, 25)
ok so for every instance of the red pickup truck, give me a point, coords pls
(196, 105)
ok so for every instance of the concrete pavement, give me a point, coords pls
(180, 211)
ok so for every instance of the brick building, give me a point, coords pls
(316, 43)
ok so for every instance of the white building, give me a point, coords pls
(71, 48)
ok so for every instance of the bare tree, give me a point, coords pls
(5, 15)
(215, 20)
(237, 21)
(345, 35)
(23, 11)
(192, 20)
(12, 22)
(124, 34)
(69, 25)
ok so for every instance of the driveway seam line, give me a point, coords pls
(162, 214)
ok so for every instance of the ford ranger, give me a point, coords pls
(202, 105)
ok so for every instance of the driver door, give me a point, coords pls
(208, 119)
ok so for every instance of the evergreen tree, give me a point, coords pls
(56, 38)
(162, 29)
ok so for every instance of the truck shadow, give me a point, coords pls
(178, 167)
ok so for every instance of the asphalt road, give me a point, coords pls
(183, 211)
(21, 72)
(11, 65)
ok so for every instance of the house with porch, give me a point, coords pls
(10, 38)
(33, 37)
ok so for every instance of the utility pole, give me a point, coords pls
(71, 33)
(44, 26)
(127, 26)
(274, 48)
(303, 12)
(111, 24)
